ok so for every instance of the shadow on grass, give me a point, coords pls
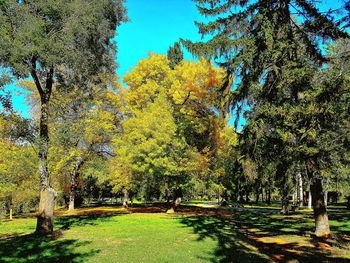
(248, 236)
(91, 218)
(34, 248)
(231, 246)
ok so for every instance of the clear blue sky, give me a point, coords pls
(154, 25)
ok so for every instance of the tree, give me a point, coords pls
(57, 41)
(81, 128)
(175, 55)
(18, 160)
(259, 42)
(169, 115)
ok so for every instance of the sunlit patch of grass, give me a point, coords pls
(289, 230)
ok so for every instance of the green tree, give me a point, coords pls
(81, 128)
(18, 160)
(57, 41)
(259, 42)
(175, 55)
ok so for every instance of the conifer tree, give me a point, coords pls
(259, 43)
(175, 55)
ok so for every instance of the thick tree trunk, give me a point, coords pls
(47, 194)
(320, 211)
(45, 214)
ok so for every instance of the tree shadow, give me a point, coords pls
(231, 246)
(90, 218)
(251, 236)
(17, 247)
(35, 248)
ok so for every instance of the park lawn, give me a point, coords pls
(107, 234)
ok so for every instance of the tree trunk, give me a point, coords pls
(285, 205)
(47, 194)
(309, 203)
(45, 214)
(125, 199)
(257, 197)
(74, 183)
(218, 196)
(320, 211)
(268, 197)
(299, 189)
(285, 200)
(71, 206)
(326, 192)
(247, 197)
(176, 201)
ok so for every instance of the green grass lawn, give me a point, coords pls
(107, 234)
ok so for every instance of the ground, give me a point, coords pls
(193, 234)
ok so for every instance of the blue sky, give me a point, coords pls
(154, 25)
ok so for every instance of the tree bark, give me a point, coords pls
(326, 192)
(257, 197)
(74, 183)
(309, 203)
(300, 189)
(320, 210)
(176, 201)
(285, 205)
(268, 197)
(47, 194)
(125, 199)
(45, 214)
(72, 193)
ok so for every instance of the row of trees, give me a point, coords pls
(165, 134)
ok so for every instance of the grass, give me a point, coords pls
(194, 234)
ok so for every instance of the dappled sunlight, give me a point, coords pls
(210, 235)
(265, 235)
(33, 248)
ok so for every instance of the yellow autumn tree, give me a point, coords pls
(169, 115)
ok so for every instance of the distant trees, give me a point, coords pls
(60, 42)
(18, 162)
(81, 132)
(274, 56)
